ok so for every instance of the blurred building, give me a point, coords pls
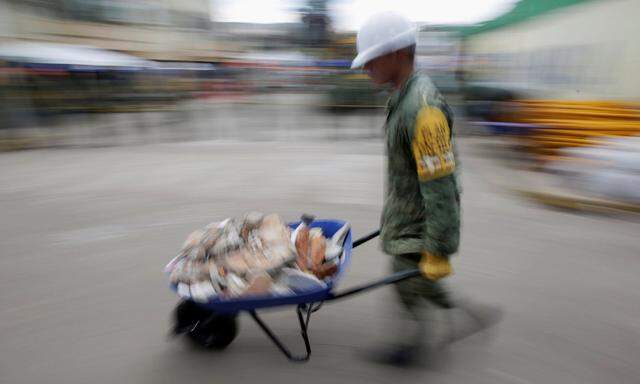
(243, 37)
(567, 49)
(153, 29)
(438, 53)
(315, 17)
(562, 77)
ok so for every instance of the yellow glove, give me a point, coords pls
(434, 267)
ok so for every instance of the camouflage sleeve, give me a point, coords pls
(435, 163)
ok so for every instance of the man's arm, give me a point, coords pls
(435, 163)
(442, 227)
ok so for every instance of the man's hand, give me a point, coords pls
(434, 267)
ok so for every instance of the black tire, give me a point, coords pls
(205, 328)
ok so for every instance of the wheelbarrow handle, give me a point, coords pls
(391, 279)
(366, 238)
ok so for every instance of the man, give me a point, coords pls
(420, 225)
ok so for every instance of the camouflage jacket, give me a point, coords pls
(422, 198)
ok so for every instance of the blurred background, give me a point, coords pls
(556, 79)
(124, 125)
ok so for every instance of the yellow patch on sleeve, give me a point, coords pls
(431, 144)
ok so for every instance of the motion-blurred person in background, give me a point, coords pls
(420, 225)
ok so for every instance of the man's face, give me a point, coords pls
(382, 69)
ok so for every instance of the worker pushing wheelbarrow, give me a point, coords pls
(420, 226)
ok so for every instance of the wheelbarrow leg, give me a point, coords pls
(304, 323)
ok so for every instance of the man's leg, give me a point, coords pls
(413, 322)
(475, 316)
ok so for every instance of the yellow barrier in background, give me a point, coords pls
(574, 123)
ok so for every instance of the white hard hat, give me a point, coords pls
(381, 34)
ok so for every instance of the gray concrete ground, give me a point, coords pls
(84, 234)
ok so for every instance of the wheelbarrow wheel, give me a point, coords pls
(205, 328)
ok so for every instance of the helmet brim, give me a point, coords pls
(359, 61)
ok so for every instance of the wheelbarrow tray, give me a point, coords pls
(247, 303)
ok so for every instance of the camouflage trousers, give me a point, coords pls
(415, 294)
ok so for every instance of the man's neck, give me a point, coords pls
(403, 75)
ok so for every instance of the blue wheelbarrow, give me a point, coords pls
(214, 324)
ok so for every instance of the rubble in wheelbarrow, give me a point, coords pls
(258, 255)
